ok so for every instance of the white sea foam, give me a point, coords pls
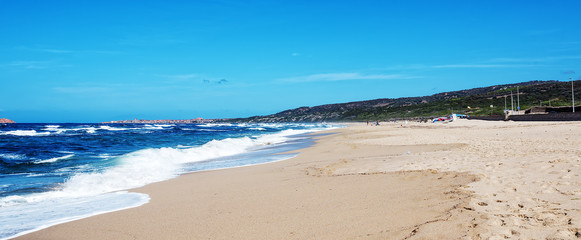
(104, 156)
(25, 133)
(208, 130)
(216, 125)
(152, 127)
(109, 128)
(65, 170)
(34, 175)
(184, 146)
(146, 166)
(271, 125)
(12, 156)
(22, 219)
(57, 129)
(90, 130)
(142, 167)
(54, 159)
(91, 193)
(152, 165)
(53, 128)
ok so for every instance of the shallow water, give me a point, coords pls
(53, 173)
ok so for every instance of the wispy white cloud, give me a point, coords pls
(109, 89)
(66, 51)
(295, 54)
(516, 60)
(100, 52)
(484, 66)
(533, 59)
(151, 40)
(505, 62)
(54, 50)
(36, 64)
(333, 77)
(406, 67)
(43, 49)
(29, 64)
(82, 90)
(500, 64)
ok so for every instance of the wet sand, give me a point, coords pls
(462, 180)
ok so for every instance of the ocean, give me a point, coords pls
(55, 173)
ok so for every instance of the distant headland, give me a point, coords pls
(196, 120)
(6, 120)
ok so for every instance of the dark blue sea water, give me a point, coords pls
(54, 173)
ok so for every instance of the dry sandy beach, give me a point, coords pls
(462, 180)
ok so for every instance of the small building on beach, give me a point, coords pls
(547, 109)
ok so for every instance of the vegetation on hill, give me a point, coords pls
(483, 101)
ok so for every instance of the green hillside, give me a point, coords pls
(475, 102)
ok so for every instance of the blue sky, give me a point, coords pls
(93, 61)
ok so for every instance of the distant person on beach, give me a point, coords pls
(377, 123)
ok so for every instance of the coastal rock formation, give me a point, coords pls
(196, 120)
(6, 120)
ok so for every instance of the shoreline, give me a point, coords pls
(266, 148)
(418, 181)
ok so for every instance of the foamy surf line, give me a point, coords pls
(89, 194)
(15, 221)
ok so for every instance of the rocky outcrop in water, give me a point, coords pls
(6, 120)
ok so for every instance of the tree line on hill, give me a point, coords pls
(474, 102)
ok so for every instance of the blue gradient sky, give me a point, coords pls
(92, 61)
